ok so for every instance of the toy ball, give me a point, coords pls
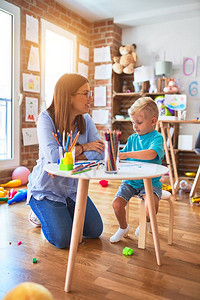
(29, 291)
(103, 183)
(21, 173)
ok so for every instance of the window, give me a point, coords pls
(58, 48)
(9, 84)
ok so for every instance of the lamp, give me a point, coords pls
(163, 68)
(144, 74)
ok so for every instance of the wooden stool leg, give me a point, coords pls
(195, 183)
(142, 224)
(127, 215)
(150, 230)
(171, 221)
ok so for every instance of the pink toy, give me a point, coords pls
(103, 183)
(12, 193)
(21, 173)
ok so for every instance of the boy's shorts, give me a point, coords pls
(126, 191)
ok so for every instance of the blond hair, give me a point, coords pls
(60, 108)
(146, 104)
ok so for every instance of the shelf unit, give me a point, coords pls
(121, 102)
(186, 160)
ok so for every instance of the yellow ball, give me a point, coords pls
(29, 291)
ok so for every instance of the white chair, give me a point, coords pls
(166, 196)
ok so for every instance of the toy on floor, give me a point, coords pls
(20, 196)
(184, 185)
(166, 187)
(28, 291)
(190, 174)
(5, 199)
(3, 192)
(21, 173)
(12, 183)
(195, 199)
(127, 251)
(103, 183)
(12, 193)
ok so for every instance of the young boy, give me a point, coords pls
(144, 145)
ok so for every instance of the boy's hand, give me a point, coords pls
(122, 155)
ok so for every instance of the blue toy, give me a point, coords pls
(20, 196)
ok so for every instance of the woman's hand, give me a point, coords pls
(97, 145)
(52, 175)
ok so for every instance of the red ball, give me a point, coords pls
(21, 173)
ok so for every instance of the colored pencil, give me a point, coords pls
(56, 138)
(74, 142)
(78, 172)
(63, 139)
(86, 166)
(68, 141)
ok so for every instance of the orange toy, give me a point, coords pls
(12, 183)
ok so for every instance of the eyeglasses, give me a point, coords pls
(88, 94)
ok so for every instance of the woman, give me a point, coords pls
(52, 199)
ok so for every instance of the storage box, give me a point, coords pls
(185, 142)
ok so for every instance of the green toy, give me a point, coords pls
(127, 251)
(34, 260)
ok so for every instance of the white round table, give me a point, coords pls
(127, 170)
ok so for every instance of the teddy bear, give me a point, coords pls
(172, 87)
(127, 61)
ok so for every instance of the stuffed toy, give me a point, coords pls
(126, 62)
(172, 87)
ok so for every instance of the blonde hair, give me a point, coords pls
(146, 104)
(60, 108)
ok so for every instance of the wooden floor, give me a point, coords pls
(101, 271)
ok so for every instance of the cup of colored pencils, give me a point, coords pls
(111, 151)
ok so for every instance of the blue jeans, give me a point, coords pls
(56, 220)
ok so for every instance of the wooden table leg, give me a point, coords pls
(167, 157)
(79, 217)
(152, 214)
(173, 159)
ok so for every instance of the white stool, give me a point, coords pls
(142, 219)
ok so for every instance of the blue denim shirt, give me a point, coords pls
(58, 188)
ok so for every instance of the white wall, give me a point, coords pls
(181, 37)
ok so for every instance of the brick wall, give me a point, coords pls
(104, 33)
(98, 34)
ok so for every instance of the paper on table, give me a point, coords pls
(103, 71)
(30, 136)
(31, 29)
(100, 116)
(102, 54)
(100, 96)
(83, 69)
(83, 53)
(138, 167)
